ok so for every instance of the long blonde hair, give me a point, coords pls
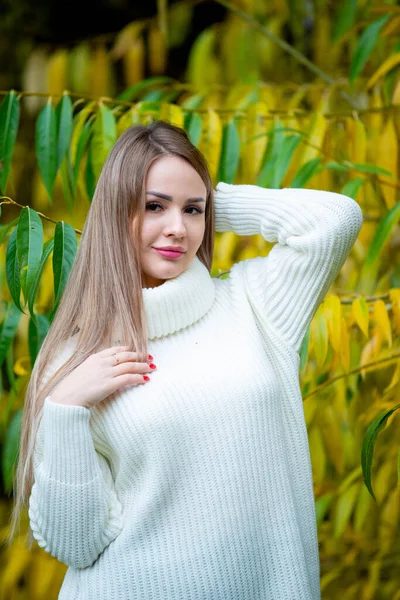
(104, 288)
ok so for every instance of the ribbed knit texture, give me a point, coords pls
(198, 484)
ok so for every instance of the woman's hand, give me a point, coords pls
(100, 375)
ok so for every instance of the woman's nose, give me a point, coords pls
(176, 225)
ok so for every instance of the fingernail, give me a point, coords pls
(149, 356)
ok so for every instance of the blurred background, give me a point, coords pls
(278, 93)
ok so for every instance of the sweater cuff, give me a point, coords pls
(69, 454)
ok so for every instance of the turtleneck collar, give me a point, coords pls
(179, 302)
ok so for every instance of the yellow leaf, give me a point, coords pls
(370, 589)
(384, 68)
(100, 72)
(133, 62)
(253, 149)
(57, 69)
(157, 53)
(203, 68)
(389, 519)
(315, 138)
(225, 244)
(319, 332)
(344, 509)
(128, 119)
(382, 477)
(394, 295)
(79, 68)
(19, 559)
(364, 507)
(22, 366)
(333, 314)
(211, 140)
(396, 94)
(395, 379)
(317, 452)
(382, 321)
(237, 97)
(172, 113)
(126, 39)
(247, 252)
(310, 406)
(269, 95)
(357, 138)
(79, 122)
(361, 314)
(387, 158)
(332, 435)
(345, 345)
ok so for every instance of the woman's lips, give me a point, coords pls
(169, 253)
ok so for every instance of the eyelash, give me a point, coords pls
(198, 211)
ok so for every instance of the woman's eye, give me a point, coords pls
(197, 210)
(153, 205)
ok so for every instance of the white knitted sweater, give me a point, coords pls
(198, 484)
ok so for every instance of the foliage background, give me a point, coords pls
(286, 93)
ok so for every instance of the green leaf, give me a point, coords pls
(305, 173)
(12, 269)
(366, 44)
(11, 449)
(65, 245)
(82, 145)
(194, 128)
(134, 90)
(47, 248)
(193, 102)
(230, 153)
(382, 236)
(46, 146)
(4, 229)
(336, 166)
(90, 180)
(351, 187)
(322, 506)
(368, 446)
(372, 169)
(103, 138)
(29, 247)
(67, 179)
(64, 127)
(283, 159)
(344, 18)
(38, 328)
(9, 120)
(9, 329)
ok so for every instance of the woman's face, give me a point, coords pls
(175, 219)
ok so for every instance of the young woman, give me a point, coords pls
(183, 474)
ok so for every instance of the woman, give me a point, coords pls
(183, 474)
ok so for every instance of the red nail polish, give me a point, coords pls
(152, 366)
(146, 378)
(149, 356)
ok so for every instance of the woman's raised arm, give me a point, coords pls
(314, 231)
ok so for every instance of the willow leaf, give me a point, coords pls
(367, 450)
(9, 120)
(65, 246)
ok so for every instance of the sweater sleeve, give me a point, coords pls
(314, 231)
(73, 509)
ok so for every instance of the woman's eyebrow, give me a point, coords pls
(166, 197)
